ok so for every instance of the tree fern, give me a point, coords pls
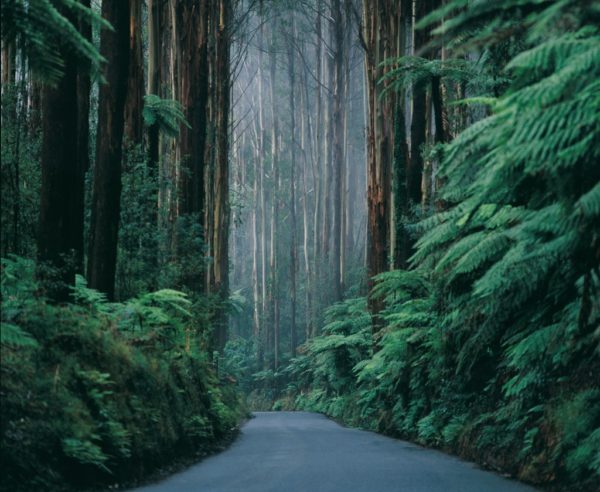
(167, 114)
(41, 29)
(492, 338)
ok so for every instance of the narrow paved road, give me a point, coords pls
(306, 452)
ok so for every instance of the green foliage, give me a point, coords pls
(44, 30)
(85, 452)
(322, 373)
(577, 423)
(239, 363)
(100, 393)
(585, 457)
(167, 114)
(411, 70)
(490, 344)
(139, 234)
(13, 336)
(184, 263)
(20, 171)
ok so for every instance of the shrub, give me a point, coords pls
(97, 393)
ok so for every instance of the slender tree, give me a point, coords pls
(256, 257)
(402, 245)
(274, 242)
(309, 161)
(262, 154)
(337, 155)
(292, 206)
(219, 247)
(319, 162)
(419, 114)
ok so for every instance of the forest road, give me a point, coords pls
(307, 452)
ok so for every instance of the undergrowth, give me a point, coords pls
(97, 393)
(490, 343)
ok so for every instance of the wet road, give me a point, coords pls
(307, 452)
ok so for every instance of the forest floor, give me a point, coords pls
(300, 451)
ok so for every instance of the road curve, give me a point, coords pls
(307, 452)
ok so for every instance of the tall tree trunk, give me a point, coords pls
(83, 141)
(419, 115)
(262, 153)
(345, 204)
(193, 92)
(9, 58)
(273, 263)
(306, 140)
(104, 227)
(402, 247)
(402, 244)
(154, 73)
(164, 154)
(293, 248)
(379, 34)
(135, 84)
(319, 164)
(256, 258)
(171, 166)
(442, 124)
(192, 39)
(328, 124)
(18, 116)
(338, 83)
(154, 28)
(220, 239)
(61, 197)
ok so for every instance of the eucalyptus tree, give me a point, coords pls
(106, 197)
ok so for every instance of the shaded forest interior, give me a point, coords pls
(386, 211)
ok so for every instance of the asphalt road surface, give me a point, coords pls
(306, 452)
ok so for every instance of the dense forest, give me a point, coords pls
(386, 211)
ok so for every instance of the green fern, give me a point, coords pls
(14, 336)
(42, 29)
(167, 114)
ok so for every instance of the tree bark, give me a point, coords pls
(419, 115)
(273, 262)
(328, 126)
(60, 247)
(318, 173)
(293, 247)
(402, 244)
(135, 84)
(9, 56)
(193, 91)
(104, 227)
(338, 160)
(220, 239)
(380, 33)
(256, 257)
(83, 142)
(154, 72)
(262, 153)
(307, 140)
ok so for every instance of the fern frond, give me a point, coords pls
(166, 113)
(41, 29)
(15, 336)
